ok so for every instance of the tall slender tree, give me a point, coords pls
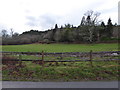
(82, 21)
(109, 28)
(53, 32)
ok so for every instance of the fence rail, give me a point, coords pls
(59, 60)
(62, 57)
(40, 53)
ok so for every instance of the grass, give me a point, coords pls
(78, 71)
(60, 47)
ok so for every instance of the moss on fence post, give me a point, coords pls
(20, 59)
(43, 58)
(91, 64)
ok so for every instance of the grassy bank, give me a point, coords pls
(81, 71)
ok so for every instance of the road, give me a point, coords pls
(87, 84)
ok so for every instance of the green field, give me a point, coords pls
(60, 47)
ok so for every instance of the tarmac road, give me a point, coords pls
(86, 84)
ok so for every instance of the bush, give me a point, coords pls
(109, 39)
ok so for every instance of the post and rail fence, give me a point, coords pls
(61, 57)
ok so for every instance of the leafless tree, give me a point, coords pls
(4, 33)
(91, 22)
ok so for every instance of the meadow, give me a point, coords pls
(61, 47)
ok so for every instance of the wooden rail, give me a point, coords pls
(90, 56)
(60, 60)
(40, 53)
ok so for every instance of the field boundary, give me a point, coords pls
(82, 55)
(40, 53)
(63, 66)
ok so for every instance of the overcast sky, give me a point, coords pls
(24, 15)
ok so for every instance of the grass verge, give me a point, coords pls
(81, 71)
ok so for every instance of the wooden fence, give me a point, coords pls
(61, 57)
(80, 56)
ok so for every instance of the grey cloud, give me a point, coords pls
(110, 10)
(45, 21)
(31, 24)
(31, 18)
(119, 13)
(32, 21)
(48, 20)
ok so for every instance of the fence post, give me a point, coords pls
(20, 59)
(91, 58)
(42, 58)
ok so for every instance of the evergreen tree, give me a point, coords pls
(82, 21)
(109, 28)
(56, 26)
(102, 29)
(109, 23)
(53, 32)
(102, 24)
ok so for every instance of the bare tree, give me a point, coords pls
(4, 33)
(15, 34)
(90, 22)
(91, 17)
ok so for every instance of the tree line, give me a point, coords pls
(90, 30)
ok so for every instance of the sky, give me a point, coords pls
(119, 13)
(24, 15)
